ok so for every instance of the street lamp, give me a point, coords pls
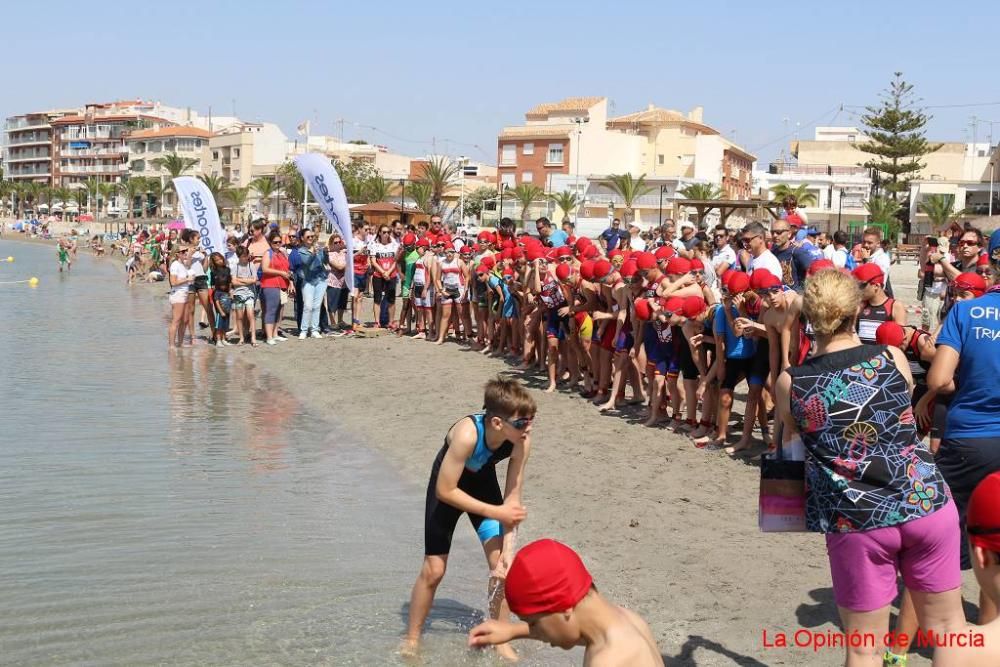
(402, 193)
(991, 187)
(462, 161)
(503, 189)
(579, 142)
(663, 188)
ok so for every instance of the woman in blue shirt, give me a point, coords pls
(968, 358)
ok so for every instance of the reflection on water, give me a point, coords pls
(181, 508)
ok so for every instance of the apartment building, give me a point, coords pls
(573, 145)
(243, 151)
(146, 148)
(27, 146)
(68, 146)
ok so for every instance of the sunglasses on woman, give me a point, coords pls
(967, 243)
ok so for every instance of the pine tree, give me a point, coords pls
(896, 136)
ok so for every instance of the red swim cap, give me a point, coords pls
(587, 269)
(663, 253)
(674, 304)
(726, 275)
(564, 251)
(562, 271)
(739, 283)
(820, 265)
(869, 273)
(764, 279)
(890, 333)
(970, 282)
(423, 243)
(678, 266)
(645, 261)
(693, 306)
(602, 269)
(591, 252)
(628, 269)
(488, 261)
(409, 238)
(982, 520)
(642, 309)
(546, 577)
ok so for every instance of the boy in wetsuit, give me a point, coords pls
(463, 480)
(551, 590)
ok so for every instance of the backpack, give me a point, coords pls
(850, 263)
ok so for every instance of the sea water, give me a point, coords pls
(182, 508)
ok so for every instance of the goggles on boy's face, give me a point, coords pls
(770, 290)
(520, 423)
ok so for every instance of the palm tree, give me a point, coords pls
(940, 209)
(154, 189)
(440, 174)
(420, 192)
(237, 197)
(882, 209)
(629, 189)
(377, 189)
(131, 189)
(93, 186)
(64, 196)
(217, 185)
(524, 194)
(175, 165)
(800, 192)
(701, 192)
(292, 184)
(81, 197)
(6, 188)
(354, 189)
(265, 187)
(30, 192)
(105, 191)
(566, 201)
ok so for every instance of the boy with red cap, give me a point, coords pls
(736, 354)
(623, 368)
(982, 523)
(659, 318)
(876, 306)
(554, 297)
(549, 587)
(463, 480)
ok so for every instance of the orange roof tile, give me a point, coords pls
(536, 131)
(580, 104)
(180, 131)
(655, 115)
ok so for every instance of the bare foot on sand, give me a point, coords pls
(551, 389)
(740, 446)
(610, 405)
(653, 420)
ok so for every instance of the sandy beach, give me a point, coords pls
(666, 529)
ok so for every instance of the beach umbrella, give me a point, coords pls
(86, 217)
(175, 224)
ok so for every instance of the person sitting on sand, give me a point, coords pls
(463, 480)
(549, 587)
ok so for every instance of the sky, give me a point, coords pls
(447, 76)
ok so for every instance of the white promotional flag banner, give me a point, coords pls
(200, 213)
(327, 190)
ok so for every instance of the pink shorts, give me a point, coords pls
(925, 551)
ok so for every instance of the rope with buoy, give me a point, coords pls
(32, 282)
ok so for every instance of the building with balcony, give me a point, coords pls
(243, 151)
(27, 146)
(147, 147)
(830, 166)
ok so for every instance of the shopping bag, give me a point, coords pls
(782, 501)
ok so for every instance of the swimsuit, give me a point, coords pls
(479, 480)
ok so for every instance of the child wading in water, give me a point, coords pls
(464, 481)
